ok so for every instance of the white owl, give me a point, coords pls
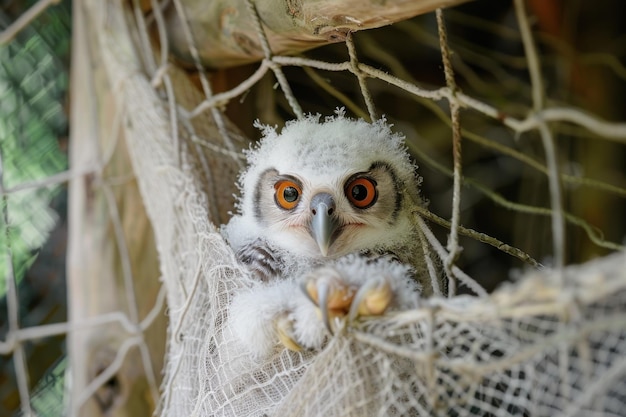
(326, 225)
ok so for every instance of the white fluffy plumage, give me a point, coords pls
(321, 201)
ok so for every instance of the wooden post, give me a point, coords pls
(112, 261)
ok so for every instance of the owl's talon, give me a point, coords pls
(372, 299)
(319, 210)
(335, 298)
(323, 305)
(284, 328)
(330, 294)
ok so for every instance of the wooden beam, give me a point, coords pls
(225, 36)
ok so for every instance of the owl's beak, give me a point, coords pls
(324, 222)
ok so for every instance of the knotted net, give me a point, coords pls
(551, 343)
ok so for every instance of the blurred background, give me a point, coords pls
(583, 54)
(34, 83)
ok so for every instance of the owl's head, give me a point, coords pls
(327, 188)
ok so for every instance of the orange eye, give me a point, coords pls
(361, 192)
(287, 194)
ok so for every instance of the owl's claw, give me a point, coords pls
(336, 298)
(330, 294)
(372, 299)
(319, 296)
(284, 328)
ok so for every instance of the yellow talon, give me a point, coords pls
(284, 330)
(376, 300)
(340, 296)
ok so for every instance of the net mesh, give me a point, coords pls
(549, 343)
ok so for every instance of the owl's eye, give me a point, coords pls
(361, 192)
(287, 194)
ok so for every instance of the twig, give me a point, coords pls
(481, 237)
(558, 227)
(513, 153)
(430, 266)
(593, 235)
(463, 278)
(453, 239)
(326, 86)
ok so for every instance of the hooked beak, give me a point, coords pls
(324, 222)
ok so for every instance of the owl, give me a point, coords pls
(325, 225)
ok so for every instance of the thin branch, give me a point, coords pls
(453, 239)
(481, 237)
(558, 223)
(376, 50)
(515, 154)
(592, 234)
(341, 97)
(430, 266)
(463, 278)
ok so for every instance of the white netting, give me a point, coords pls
(551, 343)
(547, 345)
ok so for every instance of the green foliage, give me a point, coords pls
(33, 88)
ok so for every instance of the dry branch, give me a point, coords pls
(224, 32)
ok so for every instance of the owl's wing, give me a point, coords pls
(302, 312)
(263, 261)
